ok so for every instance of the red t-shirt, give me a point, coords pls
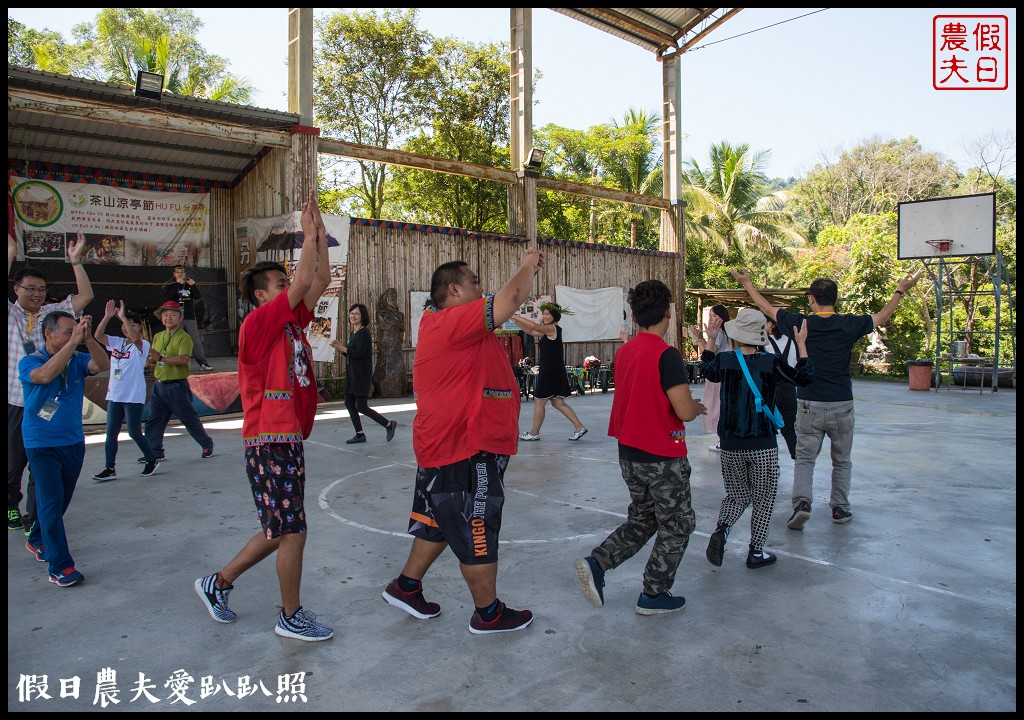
(275, 374)
(467, 397)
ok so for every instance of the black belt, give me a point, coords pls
(171, 382)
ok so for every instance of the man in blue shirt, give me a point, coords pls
(825, 407)
(54, 382)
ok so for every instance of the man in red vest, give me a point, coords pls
(652, 401)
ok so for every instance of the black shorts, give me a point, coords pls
(277, 476)
(461, 504)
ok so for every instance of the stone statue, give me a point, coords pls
(389, 375)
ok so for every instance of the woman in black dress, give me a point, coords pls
(552, 383)
(358, 352)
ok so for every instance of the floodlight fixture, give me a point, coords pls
(149, 85)
(535, 159)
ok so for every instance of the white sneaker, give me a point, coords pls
(525, 435)
(578, 434)
(717, 447)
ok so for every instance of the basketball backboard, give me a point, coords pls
(947, 227)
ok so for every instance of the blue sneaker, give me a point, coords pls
(36, 550)
(66, 577)
(659, 604)
(591, 579)
(302, 626)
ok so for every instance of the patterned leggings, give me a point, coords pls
(751, 477)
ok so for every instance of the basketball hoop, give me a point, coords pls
(941, 245)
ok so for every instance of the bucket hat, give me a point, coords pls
(748, 328)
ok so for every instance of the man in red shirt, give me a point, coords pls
(279, 396)
(652, 401)
(466, 427)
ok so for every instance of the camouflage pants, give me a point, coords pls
(659, 504)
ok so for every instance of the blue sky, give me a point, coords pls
(800, 85)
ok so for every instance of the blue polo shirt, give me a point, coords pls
(65, 427)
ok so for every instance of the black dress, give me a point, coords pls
(359, 363)
(551, 378)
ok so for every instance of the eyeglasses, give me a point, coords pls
(30, 289)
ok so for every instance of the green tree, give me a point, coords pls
(373, 76)
(631, 163)
(872, 178)
(731, 201)
(123, 41)
(468, 122)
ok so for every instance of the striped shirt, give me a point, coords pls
(22, 328)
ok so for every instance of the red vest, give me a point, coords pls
(642, 416)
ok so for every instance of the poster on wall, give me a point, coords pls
(279, 239)
(121, 226)
(323, 329)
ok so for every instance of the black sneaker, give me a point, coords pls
(150, 468)
(760, 559)
(159, 458)
(591, 580)
(716, 545)
(207, 452)
(801, 513)
(391, 430)
(666, 602)
(105, 474)
(14, 521)
(507, 620)
(412, 602)
(841, 516)
(356, 439)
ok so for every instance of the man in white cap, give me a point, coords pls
(170, 354)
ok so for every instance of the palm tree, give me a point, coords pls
(634, 166)
(730, 203)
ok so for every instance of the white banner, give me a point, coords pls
(323, 329)
(598, 314)
(121, 226)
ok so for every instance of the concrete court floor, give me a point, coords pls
(910, 607)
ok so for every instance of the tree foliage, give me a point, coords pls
(123, 41)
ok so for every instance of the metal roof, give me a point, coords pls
(663, 31)
(779, 297)
(103, 125)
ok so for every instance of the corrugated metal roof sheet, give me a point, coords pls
(210, 140)
(660, 30)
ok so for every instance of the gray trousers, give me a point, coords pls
(192, 328)
(815, 420)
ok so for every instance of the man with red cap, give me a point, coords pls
(170, 353)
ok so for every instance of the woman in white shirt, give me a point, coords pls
(126, 387)
(785, 399)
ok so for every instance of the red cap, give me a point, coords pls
(169, 305)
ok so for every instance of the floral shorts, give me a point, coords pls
(277, 475)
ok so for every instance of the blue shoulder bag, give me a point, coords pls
(759, 406)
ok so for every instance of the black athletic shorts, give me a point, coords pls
(461, 504)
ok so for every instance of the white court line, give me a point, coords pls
(823, 563)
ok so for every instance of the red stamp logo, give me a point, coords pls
(970, 52)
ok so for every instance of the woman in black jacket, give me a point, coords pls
(358, 352)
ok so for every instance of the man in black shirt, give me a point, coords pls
(184, 291)
(825, 407)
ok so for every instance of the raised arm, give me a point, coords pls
(109, 310)
(509, 299)
(535, 329)
(85, 293)
(909, 280)
(99, 361)
(134, 336)
(302, 279)
(322, 271)
(762, 304)
(12, 251)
